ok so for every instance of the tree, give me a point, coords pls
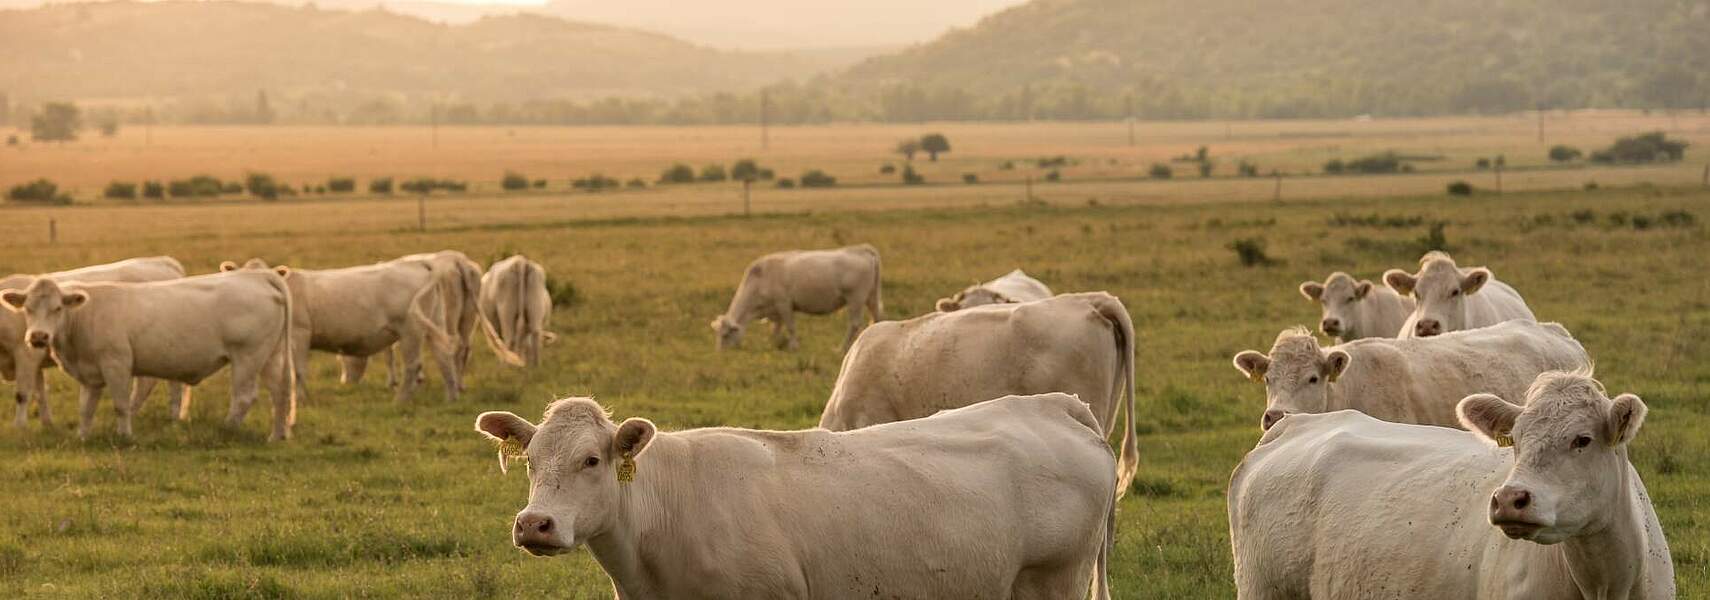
(678, 173)
(58, 122)
(263, 111)
(745, 171)
(908, 148)
(934, 144)
(1564, 153)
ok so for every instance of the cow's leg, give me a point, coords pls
(279, 390)
(42, 398)
(140, 390)
(119, 383)
(787, 322)
(300, 364)
(857, 320)
(409, 350)
(90, 397)
(23, 418)
(178, 396)
(448, 373)
(351, 368)
(246, 378)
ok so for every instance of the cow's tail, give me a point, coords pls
(1128, 461)
(498, 343)
(470, 271)
(875, 300)
(442, 342)
(291, 369)
(1101, 571)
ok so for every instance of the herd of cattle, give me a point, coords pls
(1448, 446)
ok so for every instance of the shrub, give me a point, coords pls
(153, 189)
(11, 140)
(594, 183)
(934, 144)
(540, 184)
(452, 185)
(562, 291)
(1386, 162)
(121, 190)
(319, 189)
(419, 185)
(1053, 176)
(1646, 148)
(678, 173)
(513, 182)
(636, 183)
(786, 183)
(1482, 163)
(816, 178)
(1053, 161)
(40, 191)
(909, 177)
(745, 170)
(341, 185)
(1434, 238)
(713, 173)
(970, 178)
(200, 185)
(1251, 251)
(1334, 167)
(1160, 171)
(887, 169)
(1460, 188)
(1677, 218)
(1205, 167)
(1560, 153)
(262, 185)
(1008, 165)
(1247, 169)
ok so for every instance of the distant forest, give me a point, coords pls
(1048, 59)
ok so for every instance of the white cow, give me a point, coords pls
(1451, 298)
(816, 282)
(1011, 498)
(1357, 309)
(516, 310)
(1409, 380)
(22, 362)
(460, 287)
(1081, 344)
(104, 334)
(1341, 505)
(1014, 286)
(362, 311)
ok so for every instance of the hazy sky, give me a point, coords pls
(786, 23)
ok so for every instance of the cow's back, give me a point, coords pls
(818, 281)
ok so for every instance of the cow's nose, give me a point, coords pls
(1330, 326)
(1509, 501)
(1271, 417)
(532, 527)
(1427, 328)
(39, 339)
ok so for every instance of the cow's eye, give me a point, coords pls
(1453, 293)
(1312, 379)
(1351, 298)
(592, 461)
(1581, 442)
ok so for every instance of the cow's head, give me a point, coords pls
(575, 458)
(44, 306)
(255, 264)
(972, 297)
(1341, 298)
(1440, 288)
(1297, 374)
(1570, 455)
(728, 331)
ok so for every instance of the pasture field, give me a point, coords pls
(377, 499)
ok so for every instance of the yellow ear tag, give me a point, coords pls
(511, 449)
(626, 469)
(1503, 440)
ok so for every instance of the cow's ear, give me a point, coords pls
(947, 305)
(14, 299)
(1489, 416)
(1312, 290)
(511, 432)
(1252, 364)
(283, 271)
(633, 436)
(75, 299)
(1626, 414)
(1335, 363)
(227, 265)
(1400, 281)
(1362, 289)
(1475, 279)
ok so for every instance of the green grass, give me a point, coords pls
(377, 499)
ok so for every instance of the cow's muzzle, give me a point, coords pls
(1510, 511)
(39, 339)
(537, 534)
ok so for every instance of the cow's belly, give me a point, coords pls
(184, 368)
(352, 339)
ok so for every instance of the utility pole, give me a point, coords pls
(433, 124)
(1540, 123)
(765, 136)
(421, 212)
(52, 231)
(1128, 102)
(1276, 195)
(148, 127)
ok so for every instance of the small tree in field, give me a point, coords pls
(745, 171)
(1565, 153)
(58, 122)
(908, 148)
(934, 144)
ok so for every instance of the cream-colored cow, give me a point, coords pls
(22, 362)
(1011, 498)
(1357, 309)
(1014, 286)
(1450, 298)
(104, 334)
(1081, 344)
(1534, 502)
(817, 282)
(460, 288)
(1410, 380)
(516, 310)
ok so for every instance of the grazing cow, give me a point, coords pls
(1410, 380)
(21, 362)
(1451, 298)
(1534, 502)
(460, 287)
(104, 334)
(358, 312)
(1014, 286)
(1010, 498)
(1357, 309)
(816, 282)
(1081, 344)
(516, 310)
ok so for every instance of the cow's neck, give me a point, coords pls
(1609, 560)
(640, 553)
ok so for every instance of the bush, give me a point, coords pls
(713, 173)
(419, 185)
(121, 190)
(1053, 161)
(1482, 163)
(179, 188)
(678, 173)
(1160, 171)
(11, 140)
(153, 189)
(970, 178)
(1053, 176)
(909, 177)
(262, 185)
(1251, 251)
(1564, 153)
(816, 178)
(745, 170)
(786, 183)
(452, 185)
(1460, 188)
(1205, 167)
(636, 183)
(1386, 162)
(594, 183)
(341, 185)
(40, 191)
(1434, 238)
(1008, 165)
(513, 182)
(934, 144)
(540, 184)
(382, 185)
(200, 185)
(1647, 148)
(1334, 167)
(887, 169)
(1247, 169)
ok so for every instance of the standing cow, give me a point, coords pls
(23, 362)
(1011, 498)
(1451, 298)
(816, 282)
(1535, 502)
(1357, 309)
(358, 312)
(460, 287)
(1013, 287)
(1413, 380)
(1081, 344)
(516, 310)
(104, 334)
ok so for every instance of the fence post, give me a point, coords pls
(421, 212)
(1707, 175)
(52, 231)
(1029, 198)
(1498, 179)
(1276, 196)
